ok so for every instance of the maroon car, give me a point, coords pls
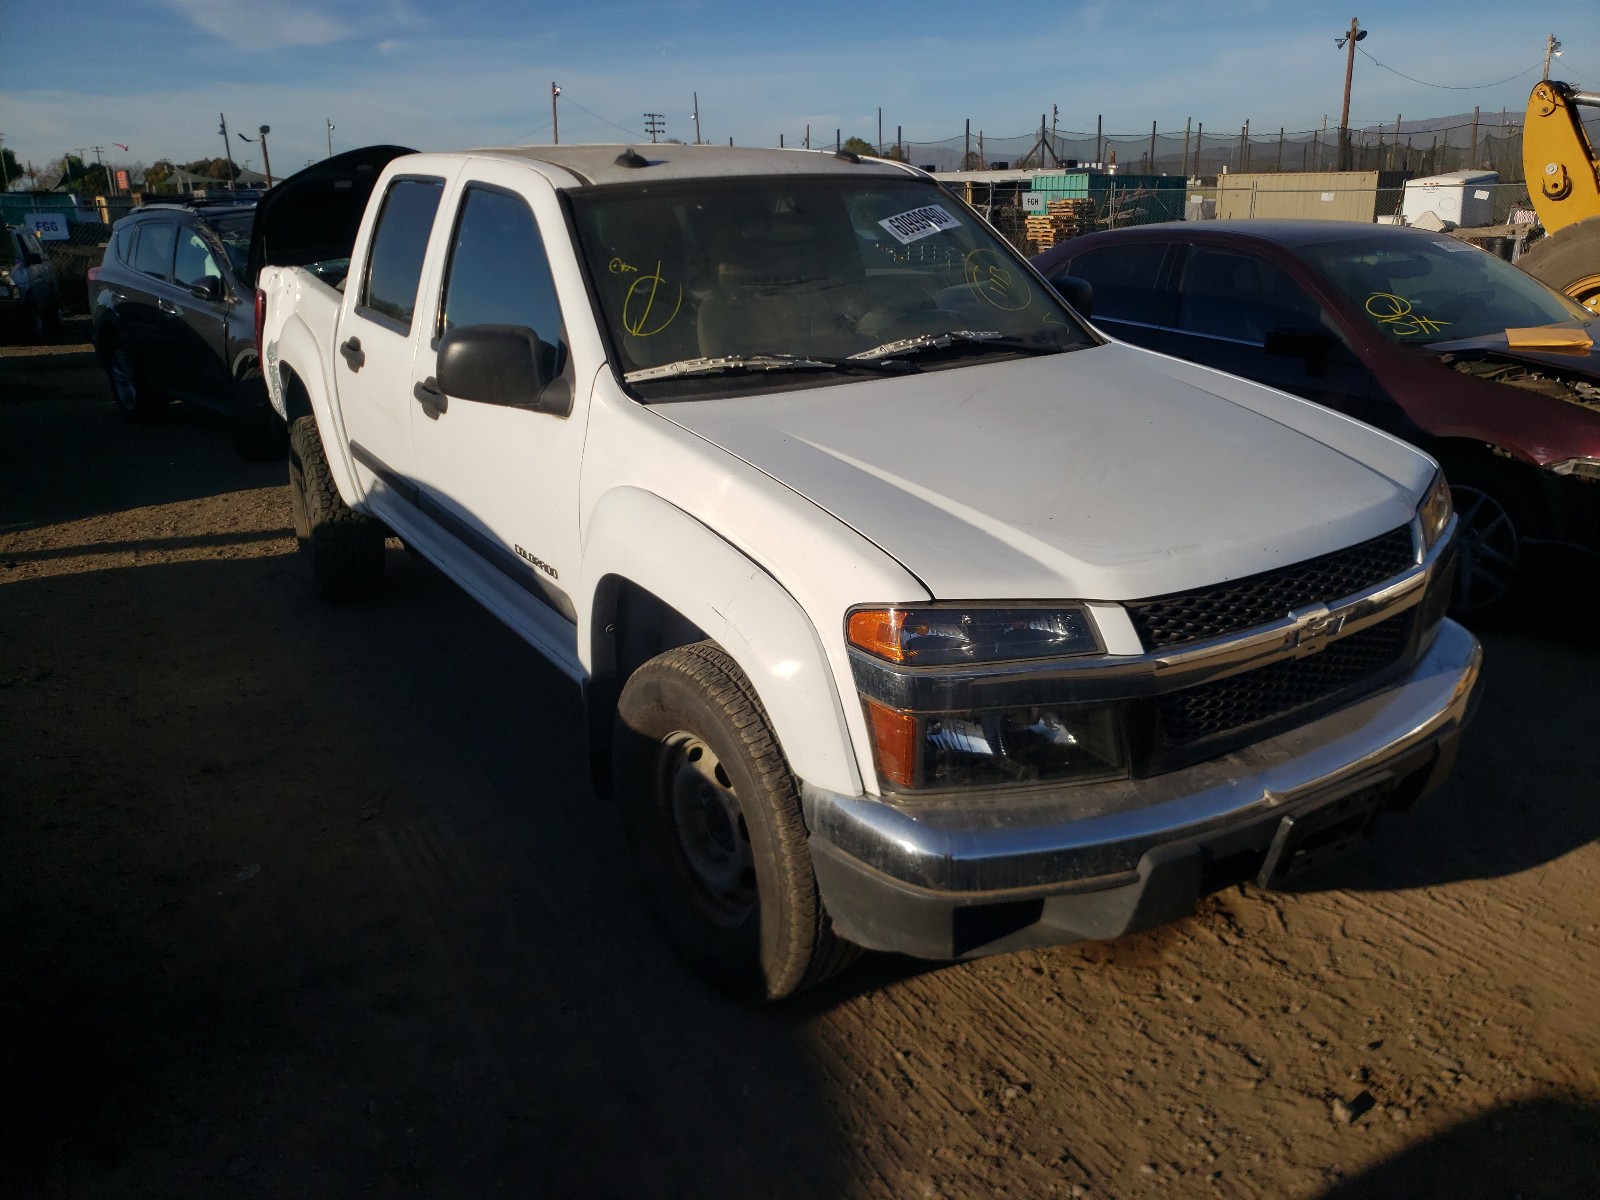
(1402, 328)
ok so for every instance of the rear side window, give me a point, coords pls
(499, 272)
(1124, 279)
(399, 244)
(152, 254)
(8, 248)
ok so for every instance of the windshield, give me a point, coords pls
(747, 275)
(234, 230)
(1421, 290)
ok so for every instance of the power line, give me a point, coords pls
(598, 117)
(1449, 87)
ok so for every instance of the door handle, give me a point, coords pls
(428, 395)
(168, 307)
(353, 354)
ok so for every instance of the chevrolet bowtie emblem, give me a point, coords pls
(1313, 629)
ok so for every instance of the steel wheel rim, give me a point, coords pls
(122, 384)
(1586, 291)
(712, 836)
(1488, 549)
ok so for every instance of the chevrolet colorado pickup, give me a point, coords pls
(909, 611)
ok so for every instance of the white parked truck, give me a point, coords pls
(910, 612)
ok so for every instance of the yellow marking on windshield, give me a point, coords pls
(1396, 314)
(640, 303)
(991, 277)
(617, 267)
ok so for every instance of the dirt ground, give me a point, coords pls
(307, 902)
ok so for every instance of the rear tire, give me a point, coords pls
(342, 549)
(129, 391)
(713, 818)
(259, 434)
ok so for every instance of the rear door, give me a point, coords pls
(1127, 277)
(373, 349)
(148, 329)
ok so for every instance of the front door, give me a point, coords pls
(503, 481)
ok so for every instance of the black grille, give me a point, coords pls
(1271, 595)
(1209, 709)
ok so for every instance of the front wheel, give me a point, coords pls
(713, 818)
(1491, 549)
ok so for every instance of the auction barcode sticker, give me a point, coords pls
(907, 227)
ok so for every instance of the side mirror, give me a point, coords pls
(1079, 293)
(494, 364)
(208, 287)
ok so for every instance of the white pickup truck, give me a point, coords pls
(910, 612)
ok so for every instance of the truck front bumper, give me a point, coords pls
(986, 873)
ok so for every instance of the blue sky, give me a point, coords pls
(155, 73)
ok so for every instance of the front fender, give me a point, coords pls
(634, 535)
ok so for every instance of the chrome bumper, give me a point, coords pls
(878, 860)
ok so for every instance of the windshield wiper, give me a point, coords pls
(943, 341)
(757, 362)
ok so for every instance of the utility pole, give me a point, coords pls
(656, 124)
(1099, 118)
(1152, 147)
(5, 176)
(966, 148)
(1183, 163)
(555, 128)
(329, 121)
(1552, 49)
(808, 135)
(1348, 44)
(697, 118)
(266, 161)
(1199, 142)
(102, 166)
(227, 148)
(880, 129)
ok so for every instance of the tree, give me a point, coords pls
(212, 168)
(11, 171)
(972, 162)
(897, 153)
(855, 145)
(157, 174)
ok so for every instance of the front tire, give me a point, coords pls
(1491, 544)
(713, 818)
(342, 549)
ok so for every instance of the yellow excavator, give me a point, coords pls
(1562, 168)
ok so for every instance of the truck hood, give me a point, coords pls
(1104, 474)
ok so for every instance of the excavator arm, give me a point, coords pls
(1563, 172)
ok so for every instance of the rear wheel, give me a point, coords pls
(342, 550)
(713, 817)
(129, 391)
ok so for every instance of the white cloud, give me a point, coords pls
(251, 26)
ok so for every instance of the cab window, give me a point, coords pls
(499, 272)
(399, 244)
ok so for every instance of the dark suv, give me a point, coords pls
(30, 296)
(174, 320)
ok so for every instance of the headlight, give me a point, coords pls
(937, 636)
(1579, 468)
(1045, 743)
(1435, 512)
(938, 748)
